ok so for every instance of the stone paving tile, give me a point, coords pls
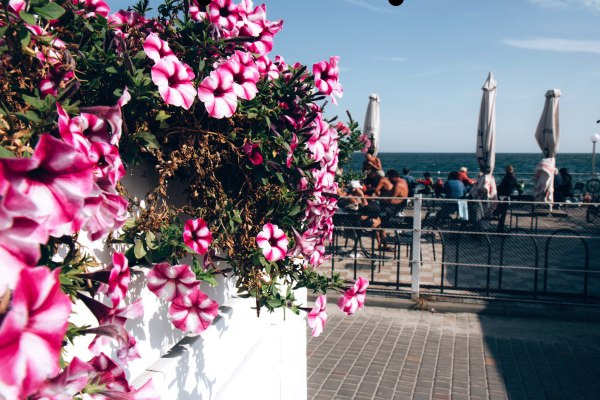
(382, 353)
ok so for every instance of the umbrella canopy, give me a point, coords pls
(547, 135)
(486, 128)
(372, 125)
(485, 188)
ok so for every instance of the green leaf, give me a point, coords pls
(111, 70)
(162, 115)
(150, 239)
(28, 18)
(275, 303)
(148, 139)
(138, 249)
(35, 102)
(24, 37)
(5, 153)
(207, 277)
(28, 117)
(49, 11)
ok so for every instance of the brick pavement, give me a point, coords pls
(384, 354)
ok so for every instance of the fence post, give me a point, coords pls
(416, 247)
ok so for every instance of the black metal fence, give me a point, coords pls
(519, 250)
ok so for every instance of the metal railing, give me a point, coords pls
(519, 250)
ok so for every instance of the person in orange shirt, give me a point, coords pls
(464, 178)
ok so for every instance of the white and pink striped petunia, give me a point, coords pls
(217, 93)
(223, 13)
(196, 235)
(327, 78)
(118, 280)
(317, 318)
(95, 7)
(193, 312)
(68, 383)
(354, 298)
(57, 179)
(32, 332)
(245, 74)
(157, 49)
(174, 82)
(170, 281)
(273, 242)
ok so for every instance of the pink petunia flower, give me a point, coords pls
(327, 78)
(67, 384)
(251, 19)
(245, 75)
(193, 312)
(365, 141)
(266, 67)
(170, 281)
(223, 13)
(264, 43)
(252, 150)
(32, 332)
(107, 372)
(317, 318)
(95, 121)
(196, 235)
(118, 280)
(293, 146)
(56, 77)
(57, 179)
(273, 242)
(174, 82)
(104, 213)
(157, 49)
(354, 298)
(95, 7)
(217, 94)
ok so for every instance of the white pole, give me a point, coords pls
(594, 159)
(416, 247)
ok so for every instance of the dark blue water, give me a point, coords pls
(578, 164)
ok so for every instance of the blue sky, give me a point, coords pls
(428, 59)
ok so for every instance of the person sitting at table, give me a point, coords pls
(427, 182)
(464, 178)
(395, 205)
(453, 189)
(565, 186)
(410, 181)
(506, 188)
(351, 197)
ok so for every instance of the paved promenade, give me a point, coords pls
(383, 353)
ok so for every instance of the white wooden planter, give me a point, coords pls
(239, 356)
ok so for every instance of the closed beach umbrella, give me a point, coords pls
(485, 188)
(547, 135)
(372, 124)
(486, 128)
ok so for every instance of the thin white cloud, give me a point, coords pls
(367, 5)
(555, 44)
(429, 73)
(390, 58)
(586, 4)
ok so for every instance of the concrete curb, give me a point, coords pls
(506, 308)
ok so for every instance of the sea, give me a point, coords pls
(579, 165)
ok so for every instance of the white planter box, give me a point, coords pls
(238, 356)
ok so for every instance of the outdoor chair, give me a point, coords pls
(577, 195)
